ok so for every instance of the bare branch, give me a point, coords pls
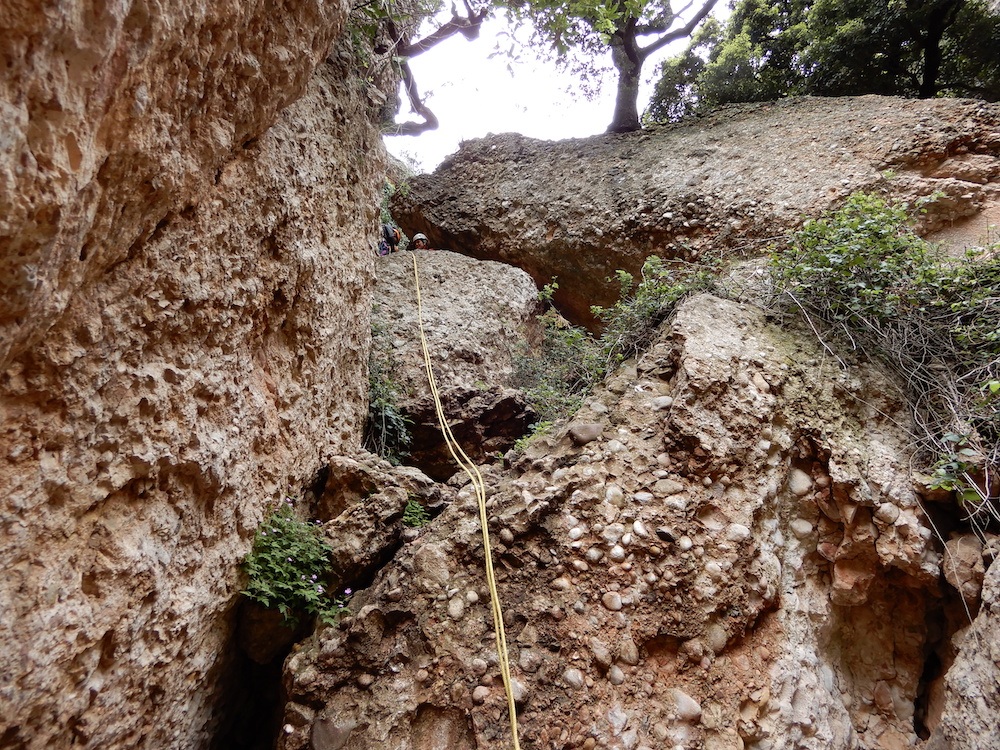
(679, 33)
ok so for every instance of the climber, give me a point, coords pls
(420, 242)
(390, 239)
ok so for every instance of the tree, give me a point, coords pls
(391, 34)
(632, 29)
(774, 48)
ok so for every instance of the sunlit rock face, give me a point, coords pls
(185, 203)
(722, 549)
(578, 210)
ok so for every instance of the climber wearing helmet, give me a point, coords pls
(420, 242)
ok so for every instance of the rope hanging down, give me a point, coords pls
(476, 478)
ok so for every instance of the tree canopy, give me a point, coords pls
(774, 48)
(631, 29)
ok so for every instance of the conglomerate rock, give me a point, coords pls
(731, 182)
(477, 317)
(723, 549)
(187, 341)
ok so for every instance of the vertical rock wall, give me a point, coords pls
(185, 332)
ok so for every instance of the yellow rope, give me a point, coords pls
(477, 482)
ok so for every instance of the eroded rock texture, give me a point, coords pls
(185, 332)
(723, 549)
(731, 182)
(477, 317)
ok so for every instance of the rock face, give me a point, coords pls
(690, 562)
(730, 182)
(972, 701)
(185, 330)
(476, 317)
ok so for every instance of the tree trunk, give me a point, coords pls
(939, 19)
(628, 62)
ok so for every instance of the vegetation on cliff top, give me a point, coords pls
(769, 49)
(862, 275)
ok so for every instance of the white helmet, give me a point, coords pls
(420, 236)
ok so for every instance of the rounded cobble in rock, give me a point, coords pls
(887, 513)
(628, 652)
(799, 483)
(479, 666)
(688, 709)
(506, 536)
(639, 529)
(456, 608)
(617, 553)
(801, 528)
(573, 677)
(479, 694)
(612, 600)
(663, 402)
(601, 653)
(585, 432)
(737, 532)
(685, 543)
(615, 675)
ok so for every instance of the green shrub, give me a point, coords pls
(288, 567)
(861, 273)
(631, 323)
(415, 514)
(558, 374)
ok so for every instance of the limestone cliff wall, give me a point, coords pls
(186, 287)
(730, 183)
(723, 549)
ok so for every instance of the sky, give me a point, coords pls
(474, 92)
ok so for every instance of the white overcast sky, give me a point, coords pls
(475, 91)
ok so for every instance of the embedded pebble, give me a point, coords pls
(626, 539)
(799, 483)
(601, 653)
(676, 502)
(614, 495)
(594, 554)
(737, 532)
(688, 709)
(685, 543)
(663, 402)
(471, 597)
(667, 487)
(887, 513)
(456, 608)
(643, 497)
(575, 533)
(366, 680)
(506, 536)
(562, 583)
(479, 666)
(479, 694)
(585, 432)
(573, 677)
(628, 652)
(801, 528)
(714, 569)
(615, 446)
(612, 600)
(612, 533)
(617, 553)
(520, 691)
(639, 529)
(615, 675)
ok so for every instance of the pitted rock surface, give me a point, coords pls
(732, 182)
(663, 583)
(185, 379)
